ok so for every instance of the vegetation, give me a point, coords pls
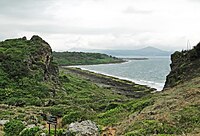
(184, 62)
(82, 58)
(13, 128)
(32, 86)
(27, 73)
(29, 131)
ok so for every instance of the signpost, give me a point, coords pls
(52, 120)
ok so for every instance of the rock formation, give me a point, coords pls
(84, 128)
(28, 71)
(185, 65)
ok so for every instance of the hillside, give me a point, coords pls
(176, 110)
(83, 58)
(32, 85)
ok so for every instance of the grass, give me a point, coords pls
(173, 112)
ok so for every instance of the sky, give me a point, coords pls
(103, 24)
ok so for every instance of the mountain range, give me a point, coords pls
(147, 51)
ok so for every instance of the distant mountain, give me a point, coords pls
(147, 51)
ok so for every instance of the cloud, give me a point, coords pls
(102, 23)
(193, 0)
(25, 9)
(132, 10)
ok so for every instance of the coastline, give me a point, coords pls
(120, 86)
(150, 83)
(111, 62)
(157, 86)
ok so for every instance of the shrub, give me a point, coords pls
(13, 128)
(188, 118)
(72, 117)
(147, 127)
(29, 131)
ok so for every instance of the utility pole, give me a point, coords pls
(188, 45)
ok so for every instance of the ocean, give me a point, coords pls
(151, 72)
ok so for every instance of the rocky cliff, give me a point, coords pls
(27, 70)
(21, 57)
(185, 66)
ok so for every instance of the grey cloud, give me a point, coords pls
(194, 0)
(132, 10)
(23, 8)
(51, 28)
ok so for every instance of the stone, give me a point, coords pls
(84, 128)
(3, 122)
(42, 134)
(30, 126)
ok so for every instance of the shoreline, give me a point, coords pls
(120, 86)
(71, 65)
(124, 60)
(140, 82)
(157, 85)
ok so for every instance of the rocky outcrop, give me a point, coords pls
(43, 57)
(27, 66)
(84, 128)
(185, 66)
(32, 58)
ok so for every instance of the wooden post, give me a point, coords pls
(49, 130)
(55, 130)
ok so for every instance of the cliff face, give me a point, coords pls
(27, 72)
(32, 58)
(43, 57)
(185, 66)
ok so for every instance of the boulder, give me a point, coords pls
(3, 122)
(31, 126)
(84, 128)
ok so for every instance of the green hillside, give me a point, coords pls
(32, 84)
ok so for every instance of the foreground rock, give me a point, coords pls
(84, 128)
(3, 122)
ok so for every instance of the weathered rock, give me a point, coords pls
(185, 66)
(84, 128)
(3, 122)
(42, 134)
(30, 126)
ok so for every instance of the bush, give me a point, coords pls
(29, 131)
(147, 127)
(188, 118)
(13, 128)
(72, 117)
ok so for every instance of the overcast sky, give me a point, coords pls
(103, 24)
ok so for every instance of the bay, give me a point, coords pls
(151, 72)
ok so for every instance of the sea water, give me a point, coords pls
(151, 72)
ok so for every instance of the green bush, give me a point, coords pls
(13, 128)
(29, 131)
(72, 117)
(188, 118)
(148, 127)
